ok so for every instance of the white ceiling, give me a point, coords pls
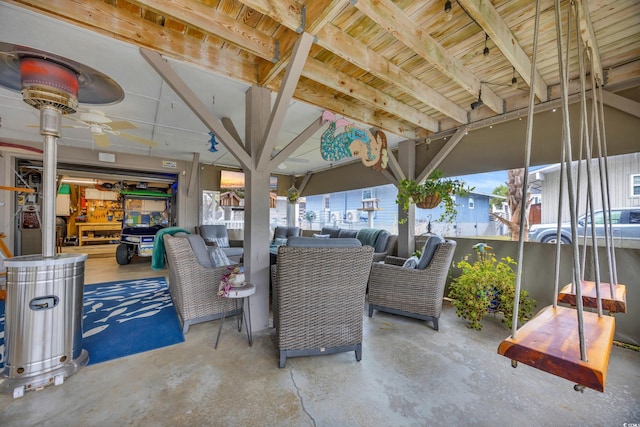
(149, 103)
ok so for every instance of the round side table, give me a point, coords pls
(240, 292)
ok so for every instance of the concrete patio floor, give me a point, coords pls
(410, 375)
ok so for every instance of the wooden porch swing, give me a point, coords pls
(568, 342)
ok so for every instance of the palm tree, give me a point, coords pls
(515, 182)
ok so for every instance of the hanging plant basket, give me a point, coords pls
(429, 202)
(430, 193)
(293, 195)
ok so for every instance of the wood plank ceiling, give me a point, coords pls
(400, 65)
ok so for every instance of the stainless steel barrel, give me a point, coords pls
(43, 321)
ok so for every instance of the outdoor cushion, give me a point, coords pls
(233, 251)
(218, 257)
(221, 242)
(381, 241)
(331, 231)
(310, 242)
(368, 236)
(282, 232)
(321, 236)
(279, 241)
(347, 233)
(199, 249)
(410, 262)
(429, 249)
(211, 233)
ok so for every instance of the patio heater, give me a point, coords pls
(43, 311)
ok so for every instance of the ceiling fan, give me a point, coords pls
(101, 125)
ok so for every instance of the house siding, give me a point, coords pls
(469, 222)
(620, 169)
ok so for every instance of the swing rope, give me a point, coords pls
(525, 183)
(556, 280)
(612, 253)
(604, 180)
(570, 187)
(589, 205)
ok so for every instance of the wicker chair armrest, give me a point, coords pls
(394, 260)
(194, 288)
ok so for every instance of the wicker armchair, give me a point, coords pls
(217, 234)
(411, 292)
(193, 286)
(319, 294)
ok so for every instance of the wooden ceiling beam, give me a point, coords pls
(314, 95)
(588, 37)
(341, 44)
(330, 37)
(393, 19)
(317, 14)
(214, 22)
(330, 77)
(483, 12)
(110, 21)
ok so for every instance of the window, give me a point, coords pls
(598, 217)
(471, 203)
(367, 194)
(635, 185)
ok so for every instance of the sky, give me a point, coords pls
(485, 182)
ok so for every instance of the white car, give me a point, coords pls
(625, 228)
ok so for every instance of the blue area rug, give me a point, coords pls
(123, 318)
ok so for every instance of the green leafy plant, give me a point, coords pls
(435, 188)
(293, 195)
(488, 285)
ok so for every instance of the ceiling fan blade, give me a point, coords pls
(101, 139)
(121, 125)
(297, 160)
(138, 139)
(75, 119)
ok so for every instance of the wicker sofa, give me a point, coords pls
(383, 242)
(319, 293)
(193, 280)
(413, 292)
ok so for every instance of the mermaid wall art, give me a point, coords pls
(353, 142)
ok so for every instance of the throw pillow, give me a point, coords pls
(429, 250)
(279, 241)
(218, 257)
(410, 262)
(222, 242)
(321, 236)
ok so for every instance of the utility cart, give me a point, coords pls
(145, 213)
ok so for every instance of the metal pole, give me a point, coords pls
(50, 121)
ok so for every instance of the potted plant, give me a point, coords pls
(430, 193)
(488, 286)
(293, 195)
